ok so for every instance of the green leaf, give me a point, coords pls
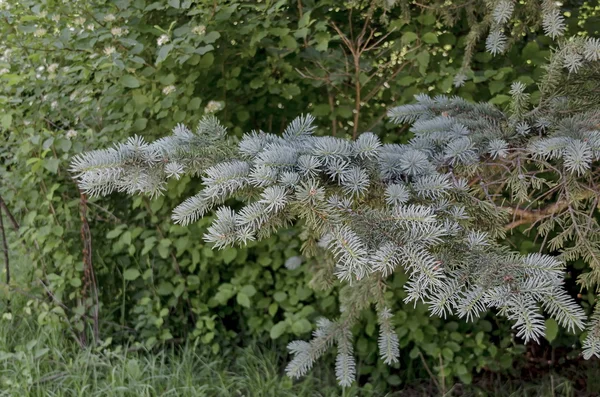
(51, 165)
(229, 255)
(423, 61)
(165, 288)
(6, 121)
(289, 42)
(500, 99)
(301, 326)
(130, 81)
(140, 124)
(194, 104)
(63, 144)
(430, 38)
(163, 251)
(114, 233)
(278, 329)
(460, 369)
(426, 19)
(321, 110)
(203, 50)
(322, 39)
(467, 378)
(75, 282)
(406, 80)
(273, 309)
(344, 111)
(131, 274)
(248, 290)
(496, 86)
(551, 329)
(409, 37)
(279, 296)
(211, 37)
(163, 53)
(206, 61)
(242, 299)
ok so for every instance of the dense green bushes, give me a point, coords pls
(85, 74)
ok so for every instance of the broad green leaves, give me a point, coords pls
(131, 274)
(130, 81)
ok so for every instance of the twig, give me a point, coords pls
(11, 218)
(89, 274)
(5, 249)
(433, 378)
(533, 216)
(332, 109)
(443, 391)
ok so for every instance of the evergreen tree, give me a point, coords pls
(432, 208)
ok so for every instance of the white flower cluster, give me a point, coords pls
(118, 32)
(213, 107)
(199, 30)
(169, 89)
(162, 40)
(109, 50)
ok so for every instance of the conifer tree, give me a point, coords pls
(433, 208)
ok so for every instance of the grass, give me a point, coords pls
(36, 363)
(40, 361)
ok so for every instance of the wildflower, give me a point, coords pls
(71, 134)
(164, 39)
(56, 17)
(90, 27)
(79, 21)
(109, 18)
(52, 67)
(109, 50)
(199, 30)
(168, 89)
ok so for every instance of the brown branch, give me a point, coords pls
(356, 52)
(89, 274)
(532, 216)
(301, 14)
(11, 218)
(332, 108)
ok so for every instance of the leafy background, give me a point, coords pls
(81, 75)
